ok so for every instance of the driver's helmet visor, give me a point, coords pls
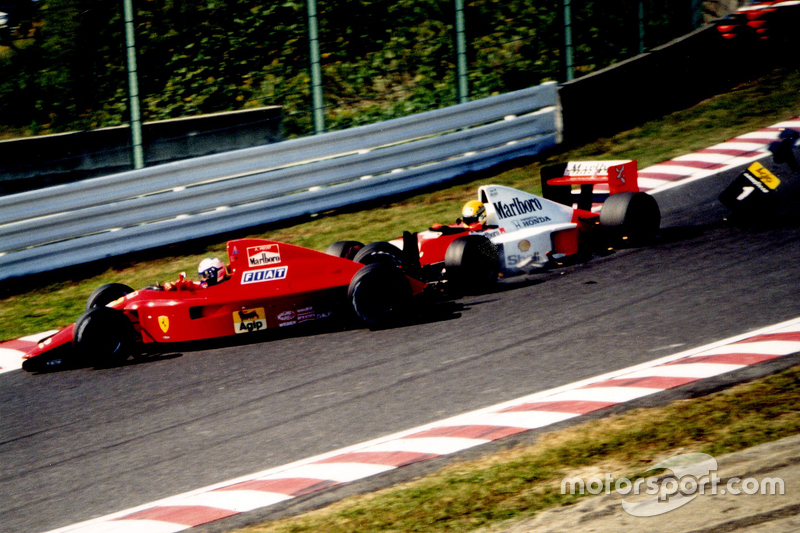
(209, 274)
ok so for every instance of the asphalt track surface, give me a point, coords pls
(84, 443)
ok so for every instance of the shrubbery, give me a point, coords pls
(379, 59)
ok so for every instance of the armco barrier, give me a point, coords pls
(46, 160)
(103, 217)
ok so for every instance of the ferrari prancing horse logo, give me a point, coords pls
(163, 322)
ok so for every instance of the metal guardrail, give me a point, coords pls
(103, 217)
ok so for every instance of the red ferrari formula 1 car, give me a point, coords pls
(267, 285)
(506, 232)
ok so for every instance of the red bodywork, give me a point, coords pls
(619, 176)
(271, 285)
(433, 244)
(761, 20)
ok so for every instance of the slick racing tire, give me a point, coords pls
(378, 293)
(105, 294)
(472, 263)
(346, 249)
(103, 336)
(632, 216)
(379, 252)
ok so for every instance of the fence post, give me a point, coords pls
(568, 49)
(461, 53)
(316, 73)
(697, 14)
(641, 26)
(137, 154)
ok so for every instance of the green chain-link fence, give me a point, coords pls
(62, 62)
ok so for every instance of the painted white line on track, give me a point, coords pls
(692, 370)
(11, 352)
(673, 167)
(339, 472)
(134, 526)
(649, 183)
(744, 146)
(520, 419)
(603, 394)
(431, 445)
(757, 136)
(709, 158)
(239, 501)
(770, 347)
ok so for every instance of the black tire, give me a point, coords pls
(472, 263)
(105, 294)
(346, 249)
(378, 293)
(632, 216)
(379, 252)
(103, 336)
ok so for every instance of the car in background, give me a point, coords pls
(521, 232)
(761, 20)
(759, 195)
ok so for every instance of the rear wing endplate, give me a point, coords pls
(558, 180)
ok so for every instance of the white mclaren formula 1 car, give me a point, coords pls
(507, 232)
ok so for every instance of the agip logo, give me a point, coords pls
(249, 320)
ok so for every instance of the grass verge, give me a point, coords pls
(518, 483)
(31, 307)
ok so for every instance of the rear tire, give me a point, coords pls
(378, 293)
(345, 249)
(103, 336)
(379, 252)
(105, 294)
(632, 216)
(472, 263)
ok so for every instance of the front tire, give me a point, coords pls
(380, 252)
(345, 249)
(378, 293)
(472, 263)
(103, 336)
(632, 216)
(105, 294)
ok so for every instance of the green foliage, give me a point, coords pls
(67, 75)
(379, 59)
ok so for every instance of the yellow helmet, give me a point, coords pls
(473, 211)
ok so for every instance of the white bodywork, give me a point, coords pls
(520, 224)
(525, 223)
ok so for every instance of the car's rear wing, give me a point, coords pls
(558, 180)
